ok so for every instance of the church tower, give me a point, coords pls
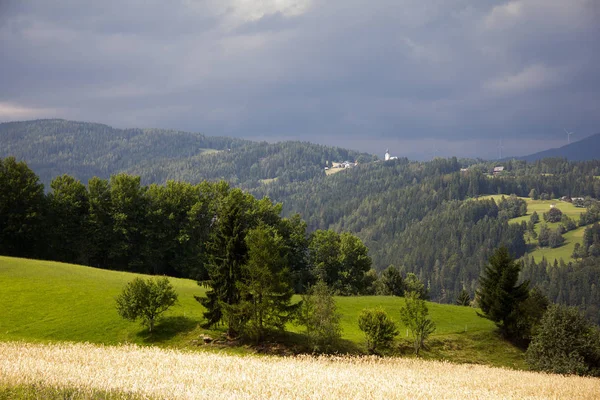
(387, 155)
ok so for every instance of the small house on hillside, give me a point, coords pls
(498, 170)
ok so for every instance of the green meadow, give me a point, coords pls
(542, 206)
(46, 301)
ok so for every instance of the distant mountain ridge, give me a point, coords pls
(583, 150)
(53, 147)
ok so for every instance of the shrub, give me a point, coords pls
(565, 343)
(146, 300)
(378, 327)
(555, 239)
(535, 218)
(554, 215)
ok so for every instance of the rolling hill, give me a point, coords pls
(581, 150)
(410, 214)
(83, 150)
(50, 301)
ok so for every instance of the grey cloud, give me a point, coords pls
(453, 70)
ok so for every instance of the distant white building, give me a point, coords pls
(388, 157)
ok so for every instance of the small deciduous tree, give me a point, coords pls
(413, 284)
(322, 321)
(378, 327)
(533, 194)
(146, 299)
(415, 315)
(553, 215)
(566, 343)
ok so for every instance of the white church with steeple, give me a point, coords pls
(388, 157)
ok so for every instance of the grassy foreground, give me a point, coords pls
(152, 372)
(48, 301)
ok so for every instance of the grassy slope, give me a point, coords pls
(542, 206)
(47, 301)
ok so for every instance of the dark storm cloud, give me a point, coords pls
(427, 77)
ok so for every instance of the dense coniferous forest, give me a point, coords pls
(419, 216)
(84, 150)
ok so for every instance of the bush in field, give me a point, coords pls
(146, 300)
(378, 327)
(565, 343)
(553, 215)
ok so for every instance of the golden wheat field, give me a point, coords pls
(161, 373)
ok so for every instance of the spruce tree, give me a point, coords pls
(499, 294)
(227, 253)
(265, 286)
(463, 298)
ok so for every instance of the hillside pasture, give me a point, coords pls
(48, 301)
(541, 207)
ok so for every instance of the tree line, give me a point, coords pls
(177, 229)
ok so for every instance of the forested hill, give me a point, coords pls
(419, 216)
(422, 216)
(83, 150)
(585, 149)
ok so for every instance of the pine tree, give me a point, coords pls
(463, 298)
(499, 294)
(227, 254)
(265, 286)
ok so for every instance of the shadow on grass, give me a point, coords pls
(167, 328)
(291, 343)
(531, 247)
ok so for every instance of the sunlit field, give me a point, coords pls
(542, 206)
(48, 301)
(161, 373)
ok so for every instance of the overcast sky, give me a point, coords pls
(420, 77)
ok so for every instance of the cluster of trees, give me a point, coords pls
(558, 339)
(550, 237)
(177, 229)
(572, 284)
